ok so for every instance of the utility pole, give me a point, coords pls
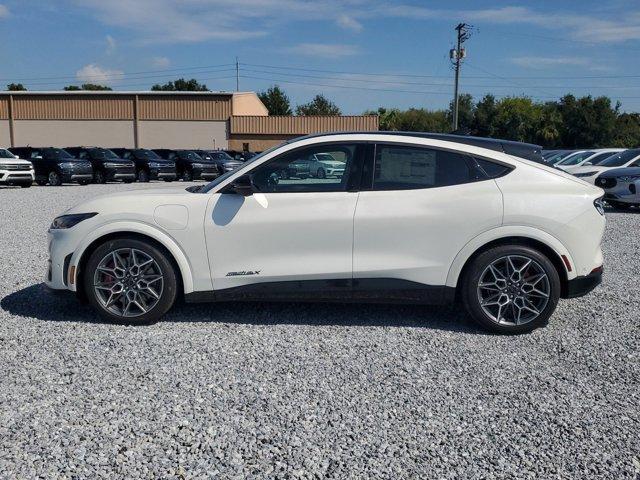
(237, 75)
(456, 55)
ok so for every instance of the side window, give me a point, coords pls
(399, 167)
(319, 168)
(491, 169)
(635, 164)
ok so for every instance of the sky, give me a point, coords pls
(362, 54)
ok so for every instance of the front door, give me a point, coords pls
(293, 227)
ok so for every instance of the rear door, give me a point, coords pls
(291, 228)
(419, 206)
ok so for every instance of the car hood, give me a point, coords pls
(589, 168)
(333, 163)
(14, 161)
(132, 200)
(618, 172)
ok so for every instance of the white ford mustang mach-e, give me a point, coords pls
(419, 218)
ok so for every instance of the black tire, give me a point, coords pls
(54, 179)
(620, 206)
(84, 182)
(99, 177)
(42, 183)
(170, 285)
(143, 176)
(470, 286)
(321, 173)
(187, 176)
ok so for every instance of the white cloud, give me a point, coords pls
(329, 50)
(349, 23)
(160, 62)
(93, 73)
(173, 21)
(4, 11)
(547, 62)
(111, 45)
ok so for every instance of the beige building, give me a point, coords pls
(236, 120)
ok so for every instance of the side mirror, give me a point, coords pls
(242, 186)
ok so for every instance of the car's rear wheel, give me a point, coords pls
(511, 289)
(54, 179)
(321, 173)
(129, 281)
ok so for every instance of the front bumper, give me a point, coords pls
(162, 174)
(120, 173)
(69, 177)
(16, 177)
(580, 286)
(208, 172)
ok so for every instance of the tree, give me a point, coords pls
(627, 130)
(87, 86)
(181, 85)
(276, 101)
(320, 105)
(466, 111)
(484, 116)
(16, 87)
(588, 122)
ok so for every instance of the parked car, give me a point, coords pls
(586, 157)
(149, 165)
(558, 156)
(414, 218)
(621, 186)
(626, 158)
(55, 166)
(317, 165)
(14, 171)
(189, 164)
(107, 166)
(223, 160)
(240, 155)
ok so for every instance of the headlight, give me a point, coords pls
(154, 165)
(67, 221)
(230, 166)
(629, 178)
(110, 165)
(599, 205)
(585, 174)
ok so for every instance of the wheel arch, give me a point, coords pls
(541, 241)
(148, 234)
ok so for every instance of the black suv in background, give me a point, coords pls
(222, 159)
(107, 166)
(55, 166)
(241, 156)
(149, 166)
(190, 165)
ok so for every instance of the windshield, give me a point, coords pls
(150, 154)
(103, 154)
(619, 159)
(224, 176)
(4, 153)
(576, 158)
(60, 154)
(221, 156)
(191, 156)
(558, 156)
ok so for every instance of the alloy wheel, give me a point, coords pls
(128, 282)
(513, 290)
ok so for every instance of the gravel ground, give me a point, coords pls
(310, 390)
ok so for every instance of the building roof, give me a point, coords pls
(116, 92)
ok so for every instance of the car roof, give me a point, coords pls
(519, 149)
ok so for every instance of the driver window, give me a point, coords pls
(319, 168)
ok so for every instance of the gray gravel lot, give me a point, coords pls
(310, 390)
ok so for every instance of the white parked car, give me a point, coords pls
(626, 158)
(621, 187)
(586, 157)
(421, 218)
(15, 171)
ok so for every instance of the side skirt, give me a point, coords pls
(360, 290)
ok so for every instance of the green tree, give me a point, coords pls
(484, 116)
(181, 85)
(587, 122)
(466, 112)
(87, 86)
(16, 87)
(276, 101)
(387, 119)
(627, 130)
(423, 120)
(320, 105)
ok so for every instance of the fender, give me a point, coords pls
(143, 229)
(503, 232)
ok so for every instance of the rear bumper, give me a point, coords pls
(580, 286)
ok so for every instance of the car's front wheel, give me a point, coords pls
(54, 179)
(130, 281)
(511, 289)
